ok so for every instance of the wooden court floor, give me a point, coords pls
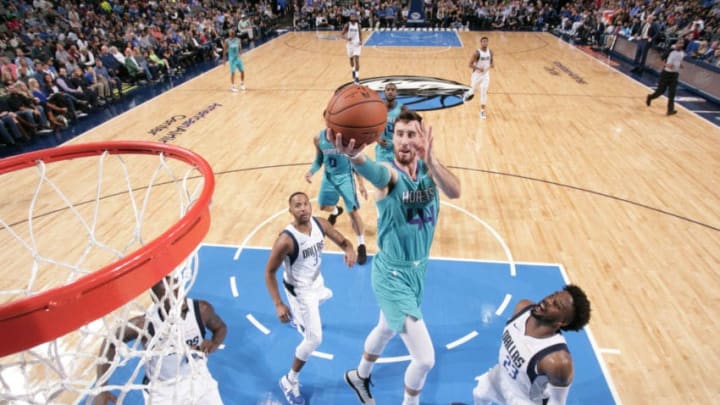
(570, 167)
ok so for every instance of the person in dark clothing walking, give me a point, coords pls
(669, 76)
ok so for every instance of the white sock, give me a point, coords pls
(365, 367)
(410, 400)
(293, 376)
(335, 210)
(361, 239)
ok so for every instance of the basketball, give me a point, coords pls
(357, 112)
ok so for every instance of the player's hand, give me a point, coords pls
(308, 176)
(207, 346)
(350, 256)
(350, 149)
(283, 312)
(423, 142)
(104, 398)
(382, 142)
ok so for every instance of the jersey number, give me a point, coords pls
(421, 216)
(510, 367)
(332, 162)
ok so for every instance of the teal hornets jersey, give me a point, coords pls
(233, 48)
(407, 217)
(387, 153)
(336, 164)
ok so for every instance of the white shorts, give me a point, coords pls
(353, 49)
(477, 79)
(489, 388)
(305, 307)
(198, 389)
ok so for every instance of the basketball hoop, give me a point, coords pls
(44, 309)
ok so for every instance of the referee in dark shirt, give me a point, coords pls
(669, 76)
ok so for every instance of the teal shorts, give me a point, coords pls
(332, 188)
(398, 287)
(236, 64)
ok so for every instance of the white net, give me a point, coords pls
(60, 222)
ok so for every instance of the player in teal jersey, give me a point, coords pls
(407, 202)
(231, 54)
(338, 181)
(384, 146)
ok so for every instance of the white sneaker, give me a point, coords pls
(361, 386)
(291, 391)
(482, 115)
(242, 86)
(233, 89)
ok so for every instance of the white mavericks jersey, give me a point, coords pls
(168, 364)
(353, 33)
(302, 267)
(519, 356)
(483, 61)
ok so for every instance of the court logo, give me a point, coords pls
(421, 93)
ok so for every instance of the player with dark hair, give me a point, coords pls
(407, 198)
(299, 248)
(480, 63)
(231, 54)
(353, 35)
(384, 146)
(339, 180)
(535, 366)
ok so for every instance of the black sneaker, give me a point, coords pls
(361, 386)
(673, 112)
(648, 100)
(333, 217)
(362, 254)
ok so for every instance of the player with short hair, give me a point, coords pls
(534, 364)
(170, 379)
(407, 199)
(481, 62)
(384, 151)
(299, 248)
(339, 181)
(353, 35)
(231, 54)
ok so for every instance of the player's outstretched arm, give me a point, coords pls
(558, 368)
(317, 163)
(444, 178)
(216, 325)
(340, 240)
(379, 175)
(283, 246)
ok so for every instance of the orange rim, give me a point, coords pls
(50, 314)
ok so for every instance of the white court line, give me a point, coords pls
(448, 258)
(396, 359)
(255, 230)
(326, 356)
(706, 111)
(462, 340)
(257, 324)
(504, 305)
(605, 350)
(593, 343)
(233, 287)
(492, 231)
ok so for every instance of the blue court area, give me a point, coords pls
(414, 38)
(463, 299)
